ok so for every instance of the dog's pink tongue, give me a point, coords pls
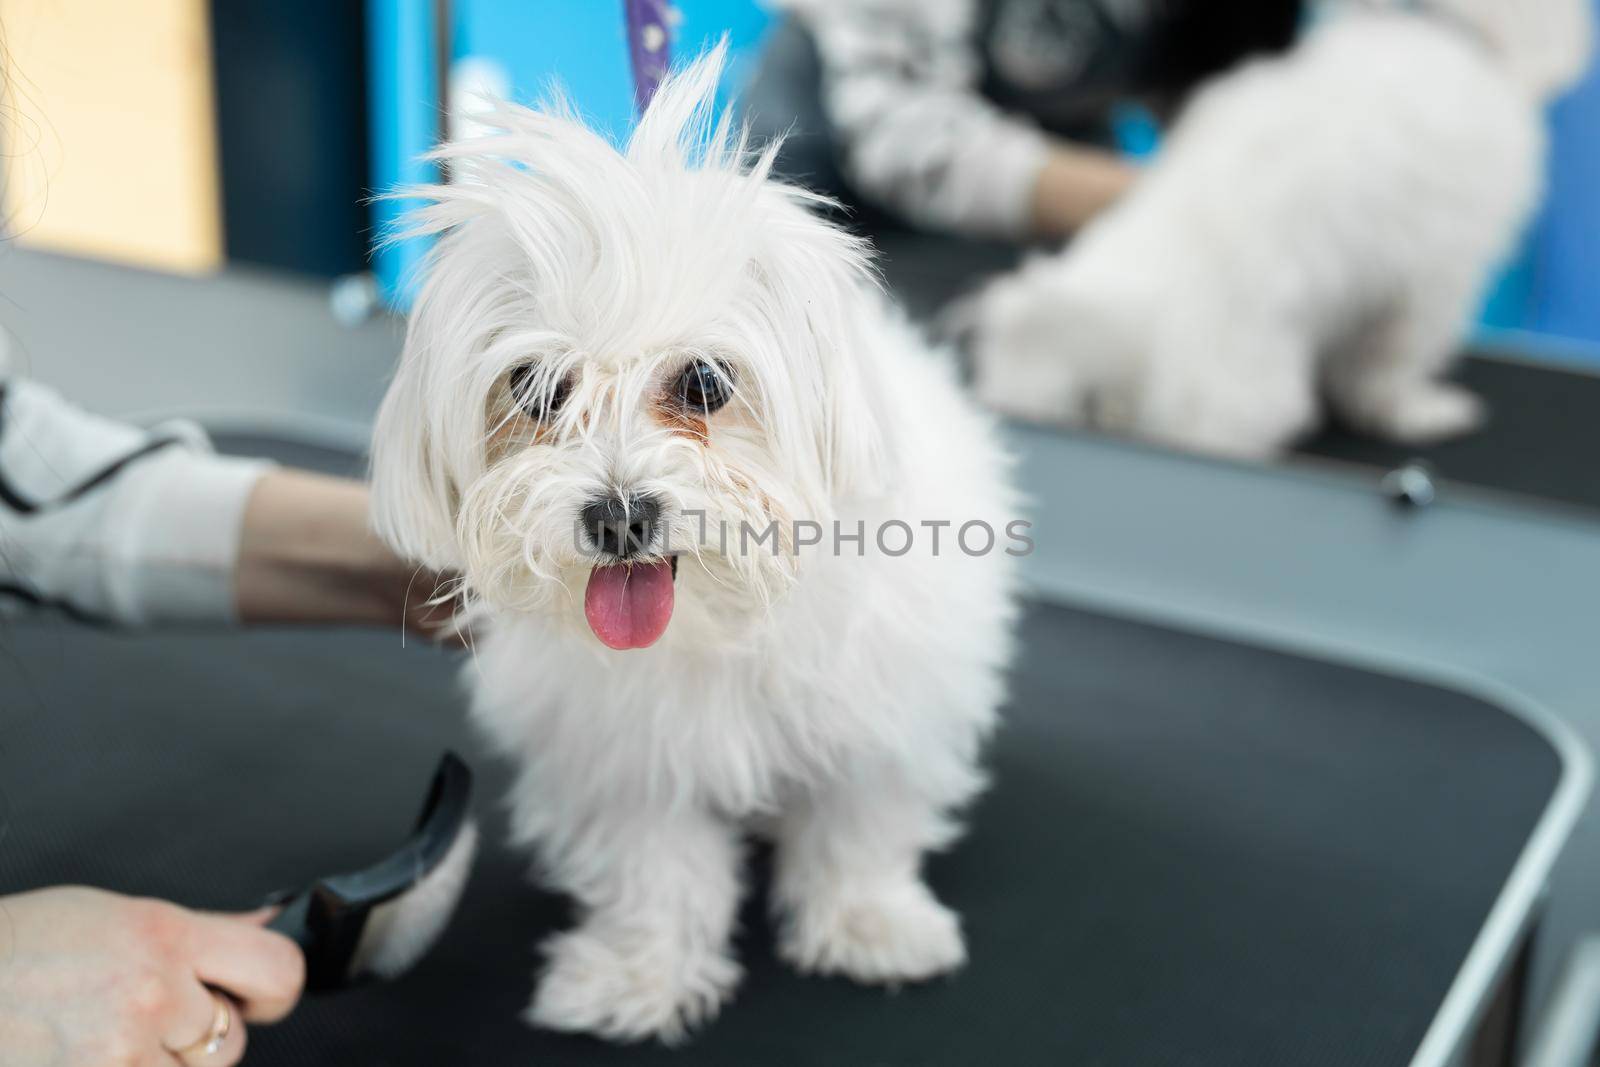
(629, 606)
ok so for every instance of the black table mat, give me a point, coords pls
(1195, 852)
(1540, 442)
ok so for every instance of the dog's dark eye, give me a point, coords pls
(541, 401)
(704, 387)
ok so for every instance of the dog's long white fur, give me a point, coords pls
(835, 699)
(1322, 223)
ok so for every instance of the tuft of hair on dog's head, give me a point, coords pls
(572, 287)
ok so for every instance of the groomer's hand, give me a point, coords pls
(307, 554)
(92, 979)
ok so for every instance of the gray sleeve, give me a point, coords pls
(900, 88)
(114, 522)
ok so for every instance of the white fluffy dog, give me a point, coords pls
(656, 413)
(1321, 223)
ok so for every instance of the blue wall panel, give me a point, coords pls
(1553, 287)
(1566, 290)
(403, 120)
(580, 45)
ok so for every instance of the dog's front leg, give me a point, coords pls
(848, 889)
(658, 891)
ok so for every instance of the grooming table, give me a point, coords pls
(1195, 852)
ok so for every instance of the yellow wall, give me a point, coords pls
(109, 129)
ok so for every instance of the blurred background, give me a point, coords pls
(184, 135)
(244, 143)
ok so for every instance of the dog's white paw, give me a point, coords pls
(1435, 413)
(884, 936)
(629, 988)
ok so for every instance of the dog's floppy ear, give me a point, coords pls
(413, 500)
(822, 277)
(428, 442)
(852, 438)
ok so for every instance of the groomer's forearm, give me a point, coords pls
(306, 554)
(1075, 185)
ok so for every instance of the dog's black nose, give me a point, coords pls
(620, 526)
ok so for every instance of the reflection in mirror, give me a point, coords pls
(1246, 232)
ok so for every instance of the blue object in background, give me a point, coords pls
(1136, 131)
(404, 123)
(1566, 263)
(1552, 288)
(649, 28)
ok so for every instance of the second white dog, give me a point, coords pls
(1319, 223)
(739, 549)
